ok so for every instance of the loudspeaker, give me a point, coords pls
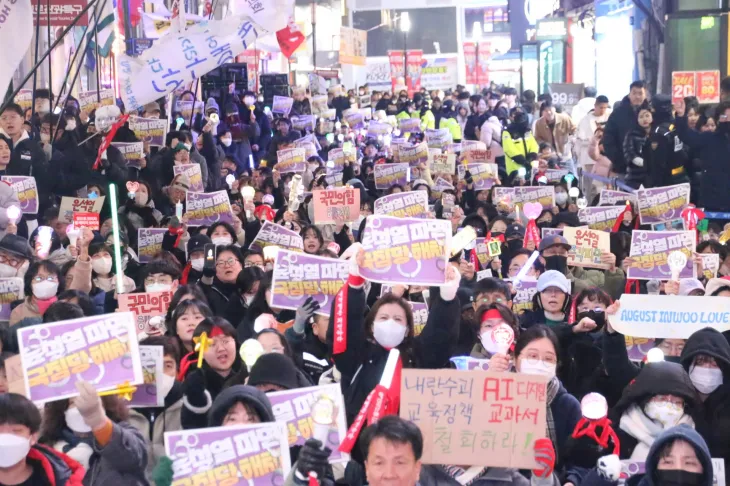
(215, 83)
(274, 85)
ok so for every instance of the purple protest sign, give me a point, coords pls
(149, 243)
(412, 204)
(388, 175)
(545, 195)
(102, 350)
(553, 176)
(133, 153)
(291, 160)
(11, 289)
(638, 347)
(660, 204)
(206, 208)
(250, 455)
(409, 125)
(152, 359)
(272, 234)
(525, 290)
(194, 174)
(294, 408)
(420, 316)
(649, 252)
(484, 175)
(406, 251)
(609, 197)
(27, 191)
(151, 130)
(600, 218)
(413, 155)
(298, 276)
(467, 363)
(545, 232)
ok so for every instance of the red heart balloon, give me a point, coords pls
(289, 41)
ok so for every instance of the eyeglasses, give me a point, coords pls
(159, 280)
(489, 300)
(226, 263)
(50, 278)
(13, 262)
(251, 264)
(222, 342)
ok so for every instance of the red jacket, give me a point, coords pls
(60, 469)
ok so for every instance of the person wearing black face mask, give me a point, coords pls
(679, 456)
(554, 250)
(713, 148)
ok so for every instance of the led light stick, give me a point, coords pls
(13, 213)
(73, 234)
(248, 193)
(117, 245)
(676, 261)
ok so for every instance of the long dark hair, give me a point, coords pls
(534, 333)
(406, 347)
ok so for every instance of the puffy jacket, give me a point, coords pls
(453, 126)
(518, 148)
(122, 461)
(618, 125)
(60, 469)
(636, 156)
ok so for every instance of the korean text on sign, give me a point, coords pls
(255, 455)
(298, 276)
(144, 306)
(204, 209)
(336, 205)
(101, 349)
(650, 250)
(405, 250)
(660, 204)
(272, 234)
(476, 417)
(412, 204)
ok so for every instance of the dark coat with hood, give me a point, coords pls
(662, 378)
(666, 155)
(636, 145)
(244, 394)
(622, 119)
(715, 422)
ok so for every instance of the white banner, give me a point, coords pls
(670, 316)
(16, 29)
(177, 60)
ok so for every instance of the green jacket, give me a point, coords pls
(453, 126)
(612, 283)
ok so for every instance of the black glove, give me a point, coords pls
(313, 459)
(531, 156)
(208, 271)
(520, 159)
(194, 388)
(468, 178)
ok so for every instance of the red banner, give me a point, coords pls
(470, 60)
(396, 67)
(62, 13)
(683, 85)
(484, 53)
(708, 87)
(413, 79)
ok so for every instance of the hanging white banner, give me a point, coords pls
(16, 30)
(176, 60)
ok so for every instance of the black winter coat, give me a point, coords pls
(618, 125)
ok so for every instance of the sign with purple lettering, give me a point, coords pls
(406, 251)
(523, 292)
(600, 218)
(27, 191)
(298, 276)
(388, 175)
(151, 130)
(660, 204)
(272, 234)
(282, 105)
(409, 125)
(609, 197)
(194, 174)
(484, 175)
(650, 250)
(153, 371)
(545, 232)
(413, 155)
(637, 347)
(553, 176)
(102, 350)
(420, 316)
(413, 204)
(291, 160)
(206, 208)
(149, 243)
(11, 289)
(239, 455)
(294, 408)
(545, 195)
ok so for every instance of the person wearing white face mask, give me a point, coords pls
(104, 274)
(537, 352)
(661, 396)
(362, 355)
(96, 431)
(706, 357)
(23, 461)
(222, 234)
(155, 421)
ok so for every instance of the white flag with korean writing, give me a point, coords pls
(177, 60)
(16, 29)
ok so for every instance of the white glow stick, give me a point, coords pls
(526, 267)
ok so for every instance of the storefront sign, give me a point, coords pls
(552, 30)
(683, 85)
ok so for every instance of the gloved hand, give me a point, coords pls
(520, 159)
(163, 472)
(545, 457)
(89, 405)
(468, 177)
(209, 270)
(609, 467)
(303, 314)
(194, 387)
(638, 162)
(313, 459)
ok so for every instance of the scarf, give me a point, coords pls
(465, 476)
(645, 430)
(553, 388)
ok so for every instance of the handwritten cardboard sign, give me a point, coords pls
(587, 247)
(478, 418)
(70, 205)
(340, 205)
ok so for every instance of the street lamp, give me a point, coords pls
(405, 26)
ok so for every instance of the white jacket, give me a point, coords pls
(584, 135)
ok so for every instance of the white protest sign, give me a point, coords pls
(670, 317)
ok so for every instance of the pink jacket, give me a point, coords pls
(602, 166)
